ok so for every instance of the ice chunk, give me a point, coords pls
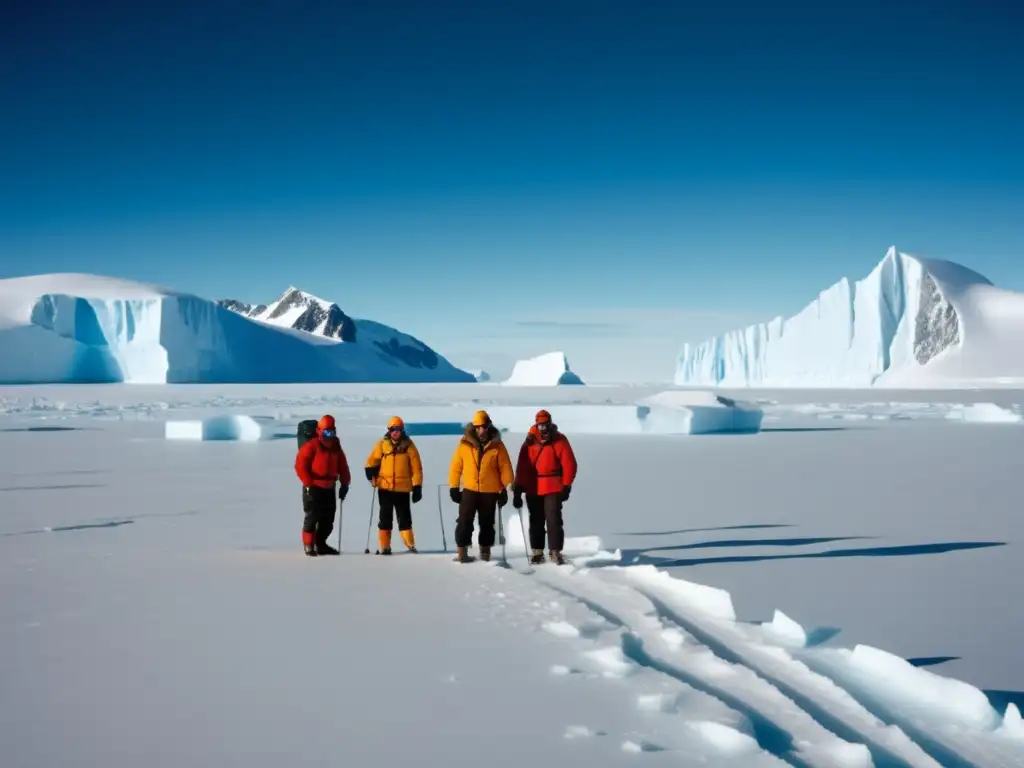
(242, 428)
(548, 370)
(786, 631)
(987, 413)
(579, 546)
(672, 412)
(561, 629)
(696, 413)
(1012, 726)
(710, 601)
(917, 692)
(725, 740)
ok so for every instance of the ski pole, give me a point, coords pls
(369, 524)
(440, 515)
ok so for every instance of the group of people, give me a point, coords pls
(479, 480)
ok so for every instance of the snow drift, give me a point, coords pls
(548, 370)
(666, 413)
(69, 328)
(911, 322)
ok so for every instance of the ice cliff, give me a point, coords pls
(911, 321)
(70, 328)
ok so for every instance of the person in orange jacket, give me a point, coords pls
(320, 464)
(395, 470)
(482, 466)
(545, 472)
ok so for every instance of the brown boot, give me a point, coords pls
(462, 555)
(536, 556)
(556, 557)
(485, 554)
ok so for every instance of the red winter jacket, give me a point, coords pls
(545, 467)
(321, 465)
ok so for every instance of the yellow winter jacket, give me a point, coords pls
(484, 468)
(400, 467)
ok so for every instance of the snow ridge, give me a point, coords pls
(741, 687)
(909, 318)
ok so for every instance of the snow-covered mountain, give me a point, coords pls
(911, 322)
(301, 311)
(87, 328)
(547, 370)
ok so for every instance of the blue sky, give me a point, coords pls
(504, 179)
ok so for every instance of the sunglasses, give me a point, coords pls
(327, 432)
(395, 430)
(544, 426)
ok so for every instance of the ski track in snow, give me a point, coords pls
(734, 692)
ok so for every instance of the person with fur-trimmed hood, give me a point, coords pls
(483, 468)
(320, 463)
(395, 470)
(545, 472)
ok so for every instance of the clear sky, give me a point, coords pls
(504, 179)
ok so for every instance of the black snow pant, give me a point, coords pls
(475, 503)
(319, 504)
(546, 510)
(392, 503)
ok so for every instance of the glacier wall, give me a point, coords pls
(850, 336)
(187, 339)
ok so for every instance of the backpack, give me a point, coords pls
(306, 431)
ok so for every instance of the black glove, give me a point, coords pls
(565, 492)
(417, 494)
(372, 472)
(503, 498)
(455, 494)
(517, 499)
(342, 491)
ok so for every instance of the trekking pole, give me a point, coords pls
(440, 515)
(522, 527)
(341, 516)
(369, 524)
(501, 536)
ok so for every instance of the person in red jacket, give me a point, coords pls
(545, 473)
(319, 464)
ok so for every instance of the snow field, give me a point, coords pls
(127, 560)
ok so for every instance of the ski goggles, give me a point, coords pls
(544, 426)
(327, 432)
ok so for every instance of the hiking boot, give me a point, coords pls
(462, 555)
(556, 557)
(309, 549)
(385, 551)
(323, 548)
(536, 556)
(485, 554)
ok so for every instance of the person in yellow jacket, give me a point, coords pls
(395, 470)
(481, 465)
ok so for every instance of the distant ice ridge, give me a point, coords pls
(547, 370)
(911, 322)
(70, 328)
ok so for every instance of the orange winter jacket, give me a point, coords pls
(322, 465)
(483, 468)
(545, 467)
(400, 466)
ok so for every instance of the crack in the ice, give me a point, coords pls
(769, 736)
(881, 755)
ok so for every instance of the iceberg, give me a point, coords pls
(548, 370)
(911, 322)
(75, 328)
